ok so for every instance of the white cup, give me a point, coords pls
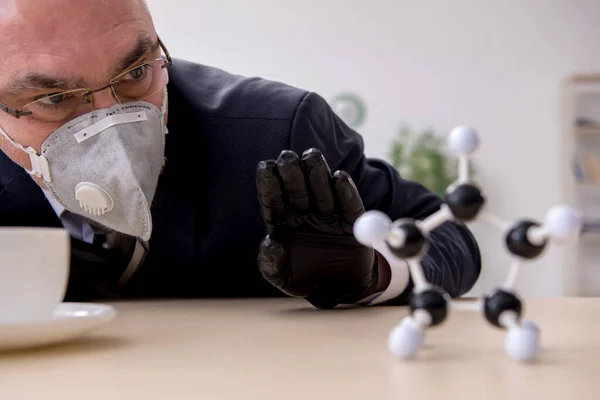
(34, 272)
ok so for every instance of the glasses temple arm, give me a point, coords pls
(13, 112)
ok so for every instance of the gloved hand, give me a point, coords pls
(310, 251)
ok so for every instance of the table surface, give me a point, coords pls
(284, 349)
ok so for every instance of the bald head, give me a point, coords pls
(9, 8)
(54, 13)
(79, 33)
(50, 45)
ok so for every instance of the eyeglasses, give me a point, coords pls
(137, 83)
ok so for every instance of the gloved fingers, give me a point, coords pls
(347, 196)
(270, 193)
(289, 167)
(273, 262)
(319, 181)
(324, 304)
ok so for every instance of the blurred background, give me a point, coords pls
(524, 73)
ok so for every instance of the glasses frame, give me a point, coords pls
(18, 113)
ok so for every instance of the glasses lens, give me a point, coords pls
(136, 84)
(58, 106)
(141, 82)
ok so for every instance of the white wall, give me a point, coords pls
(496, 65)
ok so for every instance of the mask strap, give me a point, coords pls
(163, 110)
(39, 164)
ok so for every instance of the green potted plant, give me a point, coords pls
(421, 157)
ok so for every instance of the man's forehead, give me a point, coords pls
(69, 35)
(67, 8)
(8, 9)
(31, 22)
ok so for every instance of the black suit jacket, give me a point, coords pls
(207, 224)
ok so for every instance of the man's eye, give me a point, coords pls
(52, 100)
(136, 74)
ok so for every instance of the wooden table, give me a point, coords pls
(284, 350)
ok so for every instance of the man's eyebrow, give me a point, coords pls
(144, 44)
(33, 81)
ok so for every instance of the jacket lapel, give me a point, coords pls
(22, 202)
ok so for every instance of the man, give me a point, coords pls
(174, 178)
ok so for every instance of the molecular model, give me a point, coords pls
(464, 202)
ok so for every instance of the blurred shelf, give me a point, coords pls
(583, 84)
(590, 239)
(582, 117)
(584, 185)
(588, 131)
(590, 231)
(589, 78)
(590, 225)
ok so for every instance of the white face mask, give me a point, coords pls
(105, 165)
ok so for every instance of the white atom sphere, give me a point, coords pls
(463, 140)
(371, 227)
(563, 223)
(529, 324)
(405, 339)
(521, 343)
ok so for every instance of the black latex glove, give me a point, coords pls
(310, 250)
